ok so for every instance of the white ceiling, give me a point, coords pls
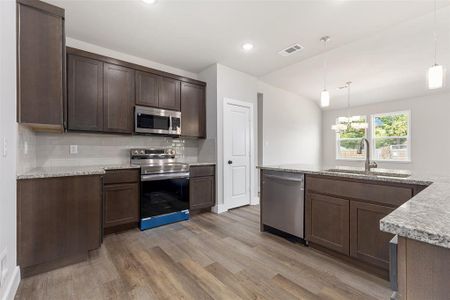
(386, 66)
(192, 35)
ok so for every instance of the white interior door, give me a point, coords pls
(237, 136)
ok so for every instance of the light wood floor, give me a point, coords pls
(209, 257)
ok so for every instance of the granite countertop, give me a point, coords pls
(48, 172)
(425, 217)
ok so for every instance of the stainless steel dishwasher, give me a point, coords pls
(282, 204)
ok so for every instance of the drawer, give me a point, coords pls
(200, 171)
(121, 176)
(394, 195)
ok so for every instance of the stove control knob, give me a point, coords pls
(142, 152)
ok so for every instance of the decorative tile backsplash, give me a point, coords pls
(52, 150)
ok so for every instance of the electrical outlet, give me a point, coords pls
(73, 149)
(3, 267)
(5, 147)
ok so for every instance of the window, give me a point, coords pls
(390, 136)
(347, 142)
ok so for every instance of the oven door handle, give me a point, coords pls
(155, 177)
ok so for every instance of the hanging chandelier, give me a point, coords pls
(325, 95)
(349, 122)
(435, 73)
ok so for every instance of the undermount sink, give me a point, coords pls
(380, 173)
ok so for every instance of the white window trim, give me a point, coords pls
(336, 142)
(408, 137)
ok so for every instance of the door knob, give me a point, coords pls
(230, 162)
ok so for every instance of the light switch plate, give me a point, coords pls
(3, 267)
(73, 149)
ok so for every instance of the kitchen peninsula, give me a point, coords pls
(352, 214)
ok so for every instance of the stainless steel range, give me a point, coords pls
(164, 187)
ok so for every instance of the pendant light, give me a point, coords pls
(344, 123)
(435, 74)
(325, 95)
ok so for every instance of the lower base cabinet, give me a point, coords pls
(202, 192)
(58, 221)
(329, 222)
(369, 244)
(121, 200)
(342, 216)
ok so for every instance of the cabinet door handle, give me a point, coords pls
(230, 162)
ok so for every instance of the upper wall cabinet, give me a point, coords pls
(193, 110)
(169, 93)
(118, 99)
(147, 89)
(102, 92)
(40, 65)
(84, 94)
(157, 91)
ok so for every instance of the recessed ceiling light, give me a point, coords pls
(149, 1)
(247, 46)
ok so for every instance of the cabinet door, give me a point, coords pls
(58, 218)
(147, 89)
(85, 94)
(121, 204)
(193, 110)
(367, 242)
(169, 93)
(327, 222)
(41, 51)
(201, 192)
(118, 99)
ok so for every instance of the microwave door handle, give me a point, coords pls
(170, 123)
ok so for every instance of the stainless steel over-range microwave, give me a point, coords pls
(157, 121)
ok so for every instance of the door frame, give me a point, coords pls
(252, 154)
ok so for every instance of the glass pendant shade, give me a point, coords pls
(325, 98)
(435, 77)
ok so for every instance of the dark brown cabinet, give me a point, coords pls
(193, 110)
(202, 187)
(100, 95)
(328, 222)
(118, 99)
(121, 200)
(58, 221)
(169, 93)
(147, 91)
(40, 65)
(343, 215)
(368, 243)
(85, 94)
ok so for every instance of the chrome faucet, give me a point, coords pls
(368, 164)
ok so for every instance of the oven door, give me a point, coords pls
(163, 194)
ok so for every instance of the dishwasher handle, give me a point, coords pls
(299, 179)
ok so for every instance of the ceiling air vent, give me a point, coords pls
(291, 50)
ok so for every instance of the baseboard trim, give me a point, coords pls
(254, 201)
(219, 208)
(13, 285)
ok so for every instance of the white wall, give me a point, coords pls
(8, 132)
(430, 134)
(291, 124)
(70, 42)
(291, 128)
(207, 147)
(243, 87)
